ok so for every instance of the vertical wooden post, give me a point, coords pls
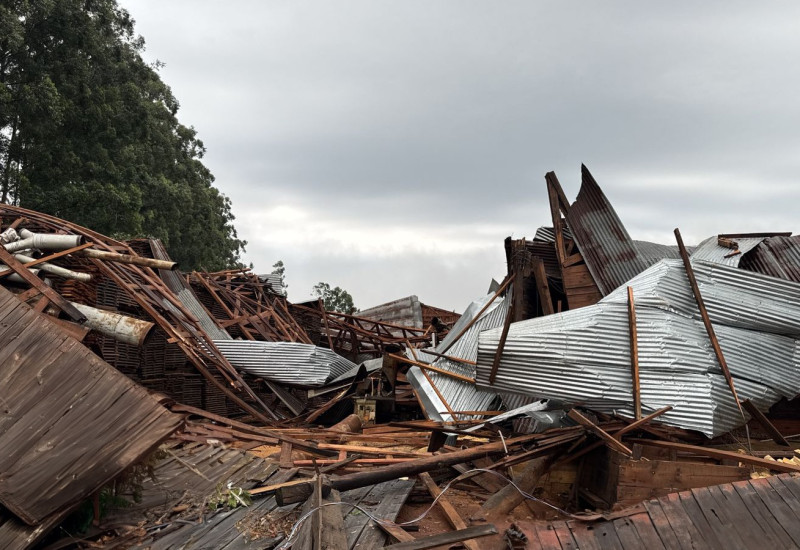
(541, 285)
(706, 320)
(502, 343)
(637, 398)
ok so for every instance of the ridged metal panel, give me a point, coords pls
(710, 251)
(178, 285)
(462, 396)
(604, 243)
(548, 234)
(405, 311)
(776, 256)
(288, 363)
(653, 253)
(582, 356)
(546, 251)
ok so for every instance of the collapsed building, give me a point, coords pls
(601, 373)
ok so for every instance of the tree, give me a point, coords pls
(89, 133)
(335, 299)
(280, 270)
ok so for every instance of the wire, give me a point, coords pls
(293, 532)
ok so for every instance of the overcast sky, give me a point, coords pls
(390, 147)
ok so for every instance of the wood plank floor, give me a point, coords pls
(753, 514)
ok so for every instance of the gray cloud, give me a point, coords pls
(393, 145)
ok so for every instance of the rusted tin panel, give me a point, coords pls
(604, 243)
(776, 256)
(70, 422)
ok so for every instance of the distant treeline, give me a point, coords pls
(89, 133)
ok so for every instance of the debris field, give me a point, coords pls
(608, 393)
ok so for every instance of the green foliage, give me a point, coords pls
(230, 497)
(335, 299)
(89, 133)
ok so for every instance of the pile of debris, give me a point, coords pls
(607, 393)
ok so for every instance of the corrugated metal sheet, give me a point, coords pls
(285, 362)
(548, 234)
(776, 256)
(274, 281)
(710, 251)
(583, 356)
(602, 239)
(653, 253)
(461, 396)
(70, 422)
(405, 311)
(178, 285)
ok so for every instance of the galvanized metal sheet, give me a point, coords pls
(710, 251)
(583, 356)
(461, 396)
(776, 256)
(288, 363)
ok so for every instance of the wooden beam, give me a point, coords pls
(637, 398)
(599, 432)
(440, 396)
(617, 435)
(426, 366)
(770, 428)
(542, 286)
(718, 454)
(453, 518)
(498, 354)
(62, 303)
(445, 539)
(706, 320)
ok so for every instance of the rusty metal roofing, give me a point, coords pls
(776, 256)
(69, 422)
(749, 515)
(608, 250)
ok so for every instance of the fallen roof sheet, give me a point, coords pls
(752, 514)
(461, 396)
(70, 422)
(776, 256)
(286, 362)
(583, 356)
(710, 251)
(606, 247)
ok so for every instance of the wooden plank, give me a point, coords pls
(688, 535)
(706, 319)
(393, 496)
(750, 532)
(548, 539)
(583, 533)
(662, 525)
(450, 513)
(778, 537)
(721, 455)
(606, 535)
(759, 417)
(542, 286)
(646, 532)
(446, 538)
(598, 431)
(498, 354)
(779, 509)
(564, 535)
(716, 517)
(627, 534)
(685, 500)
(634, 348)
